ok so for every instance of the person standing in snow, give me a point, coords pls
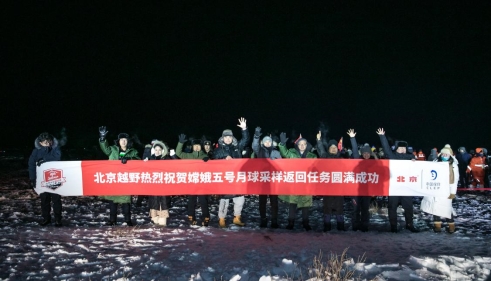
(266, 149)
(477, 168)
(394, 201)
(303, 202)
(361, 215)
(203, 199)
(46, 149)
(441, 207)
(333, 205)
(463, 158)
(158, 205)
(229, 148)
(123, 152)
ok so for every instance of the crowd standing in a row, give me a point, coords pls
(461, 166)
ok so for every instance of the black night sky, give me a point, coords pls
(160, 68)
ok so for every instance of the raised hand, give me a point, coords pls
(283, 138)
(102, 133)
(242, 123)
(319, 135)
(257, 132)
(380, 131)
(351, 133)
(182, 138)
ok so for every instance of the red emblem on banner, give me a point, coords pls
(53, 178)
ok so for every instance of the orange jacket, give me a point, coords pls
(477, 166)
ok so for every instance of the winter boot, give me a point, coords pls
(127, 213)
(45, 222)
(206, 221)
(340, 225)
(327, 226)
(437, 226)
(154, 216)
(410, 227)
(264, 222)
(191, 220)
(306, 225)
(274, 223)
(221, 223)
(291, 224)
(58, 222)
(162, 218)
(451, 227)
(393, 228)
(237, 221)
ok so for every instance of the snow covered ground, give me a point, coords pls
(86, 249)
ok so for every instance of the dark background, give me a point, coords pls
(157, 69)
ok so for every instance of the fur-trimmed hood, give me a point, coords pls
(165, 149)
(235, 142)
(38, 146)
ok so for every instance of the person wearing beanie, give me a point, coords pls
(463, 158)
(197, 154)
(400, 153)
(477, 168)
(266, 150)
(361, 204)
(158, 205)
(303, 202)
(333, 205)
(229, 148)
(441, 207)
(121, 151)
(46, 148)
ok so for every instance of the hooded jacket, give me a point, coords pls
(189, 155)
(44, 153)
(301, 200)
(260, 151)
(234, 149)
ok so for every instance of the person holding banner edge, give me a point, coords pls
(394, 201)
(46, 149)
(121, 151)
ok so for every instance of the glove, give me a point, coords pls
(102, 133)
(182, 138)
(40, 162)
(33, 184)
(172, 152)
(283, 138)
(257, 132)
(124, 160)
(206, 159)
(452, 196)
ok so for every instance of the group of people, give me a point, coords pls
(229, 147)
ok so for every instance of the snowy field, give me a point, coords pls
(85, 249)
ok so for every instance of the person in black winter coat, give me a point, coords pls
(361, 204)
(333, 205)
(266, 149)
(463, 158)
(46, 149)
(394, 201)
(229, 148)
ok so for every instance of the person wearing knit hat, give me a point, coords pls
(333, 206)
(441, 207)
(477, 168)
(361, 204)
(123, 152)
(463, 158)
(303, 202)
(394, 201)
(229, 148)
(265, 149)
(197, 153)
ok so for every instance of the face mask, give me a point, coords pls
(445, 158)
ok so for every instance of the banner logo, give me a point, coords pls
(53, 178)
(434, 174)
